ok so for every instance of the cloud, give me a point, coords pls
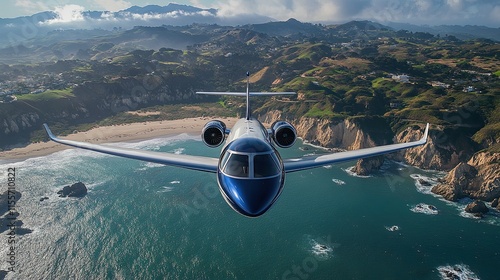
(412, 11)
(234, 12)
(67, 14)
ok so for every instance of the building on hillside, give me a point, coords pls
(469, 89)
(401, 78)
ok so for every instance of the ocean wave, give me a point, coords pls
(460, 205)
(492, 217)
(178, 151)
(338, 181)
(91, 186)
(320, 249)
(425, 209)
(392, 228)
(307, 143)
(62, 159)
(424, 183)
(165, 189)
(349, 171)
(175, 182)
(156, 143)
(456, 272)
(149, 165)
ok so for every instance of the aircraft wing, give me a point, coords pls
(297, 164)
(199, 163)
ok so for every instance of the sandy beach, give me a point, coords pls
(116, 133)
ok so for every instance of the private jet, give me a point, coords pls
(250, 171)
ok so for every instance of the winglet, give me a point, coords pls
(426, 133)
(248, 95)
(49, 132)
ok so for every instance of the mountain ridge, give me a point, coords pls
(21, 29)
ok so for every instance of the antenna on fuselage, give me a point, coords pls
(248, 95)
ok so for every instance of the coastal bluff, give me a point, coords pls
(471, 174)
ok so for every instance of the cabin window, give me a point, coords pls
(264, 166)
(237, 166)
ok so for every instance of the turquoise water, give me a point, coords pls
(147, 221)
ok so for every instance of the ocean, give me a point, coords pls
(148, 221)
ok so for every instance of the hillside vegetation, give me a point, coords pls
(342, 71)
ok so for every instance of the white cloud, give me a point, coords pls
(313, 10)
(412, 11)
(233, 12)
(67, 14)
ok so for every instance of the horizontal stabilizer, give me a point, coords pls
(244, 93)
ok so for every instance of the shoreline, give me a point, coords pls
(132, 132)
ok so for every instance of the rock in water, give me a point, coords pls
(476, 207)
(424, 182)
(494, 203)
(366, 166)
(75, 190)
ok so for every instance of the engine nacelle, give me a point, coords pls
(284, 134)
(214, 133)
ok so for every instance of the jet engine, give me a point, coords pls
(284, 134)
(213, 133)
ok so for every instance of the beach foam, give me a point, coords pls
(165, 189)
(338, 181)
(425, 209)
(456, 272)
(423, 188)
(392, 228)
(349, 171)
(321, 251)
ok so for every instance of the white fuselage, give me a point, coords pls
(248, 128)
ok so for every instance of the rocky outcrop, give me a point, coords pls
(472, 175)
(445, 148)
(479, 178)
(477, 207)
(366, 166)
(346, 134)
(495, 203)
(75, 190)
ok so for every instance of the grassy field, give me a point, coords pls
(47, 95)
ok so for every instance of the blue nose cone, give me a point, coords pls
(250, 197)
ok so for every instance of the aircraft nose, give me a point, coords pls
(250, 197)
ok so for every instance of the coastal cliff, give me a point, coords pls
(346, 134)
(90, 102)
(479, 178)
(474, 175)
(445, 148)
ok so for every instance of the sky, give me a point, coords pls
(429, 12)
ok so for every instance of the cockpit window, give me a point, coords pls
(237, 166)
(264, 166)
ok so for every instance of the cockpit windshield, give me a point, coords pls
(262, 165)
(237, 166)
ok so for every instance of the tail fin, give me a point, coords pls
(247, 94)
